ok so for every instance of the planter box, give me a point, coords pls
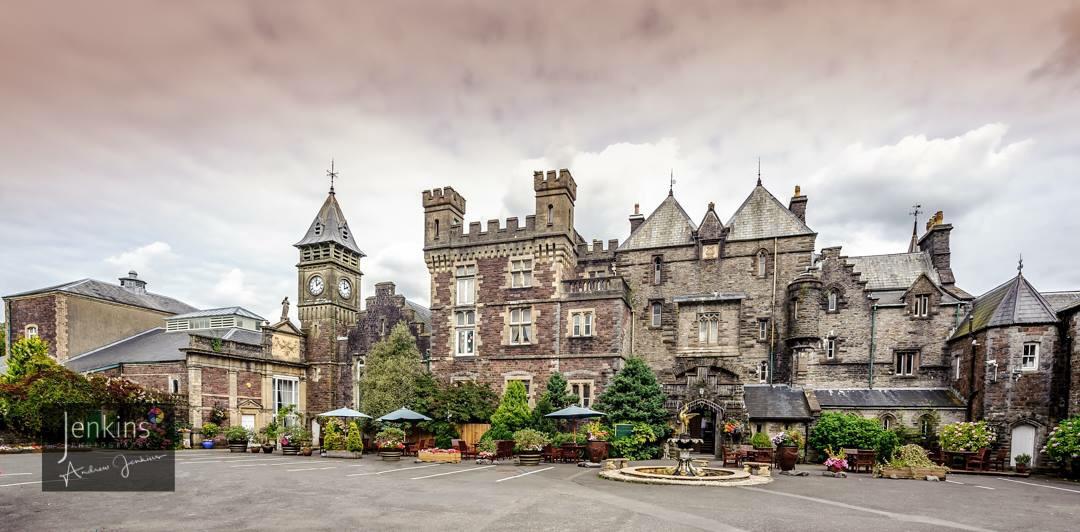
(916, 473)
(529, 458)
(343, 454)
(448, 458)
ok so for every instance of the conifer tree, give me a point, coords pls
(635, 396)
(513, 413)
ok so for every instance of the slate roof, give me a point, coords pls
(1062, 300)
(225, 311)
(422, 313)
(778, 401)
(894, 271)
(330, 225)
(711, 227)
(1015, 302)
(154, 345)
(889, 398)
(667, 226)
(763, 216)
(895, 297)
(117, 294)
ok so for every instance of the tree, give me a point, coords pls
(635, 396)
(513, 413)
(28, 356)
(3, 339)
(391, 373)
(556, 396)
(353, 443)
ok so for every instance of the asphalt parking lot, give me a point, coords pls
(216, 489)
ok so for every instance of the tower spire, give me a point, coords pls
(759, 171)
(332, 175)
(1020, 266)
(915, 210)
(671, 184)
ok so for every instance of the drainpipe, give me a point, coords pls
(772, 315)
(873, 330)
(971, 381)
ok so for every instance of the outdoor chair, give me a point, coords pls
(865, 459)
(1000, 460)
(731, 457)
(467, 452)
(504, 449)
(978, 460)
(852, 455)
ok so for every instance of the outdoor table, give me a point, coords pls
(575, 451)
(958, 456)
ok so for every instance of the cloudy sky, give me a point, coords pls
(189, 140)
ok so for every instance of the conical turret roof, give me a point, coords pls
(330, 225)
(1014, 303)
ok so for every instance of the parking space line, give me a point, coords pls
(954, 482)
(453, 472)
(525, 474)
(984, 487)
(20, 484)
(391, 471)
(236, 461)
(272, 465)
(2, 475)
(310, 469)
(1038, 485)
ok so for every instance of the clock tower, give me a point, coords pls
(328, 304)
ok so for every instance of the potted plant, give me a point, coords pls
(268, 437)
(238, 438)
(788, 447)
(209, 431)
(911, 461)
(390, 442)
(528, 443)
(836, 462)
(333, 438)
(293, 439)
(1022, 463)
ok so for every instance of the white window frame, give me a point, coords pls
(763, 330)
(576, 386)
(656, 311)
(31, 331)
(833, 297)
(581, 323)
(1033, 356)
(708, 328)
(521, 272)
(465, 285)
(763, 371)
(465, 333)
(277, 379)
(905, 363)
(658, 269)
(922, 306)
(956, 370)
(521, 326)
(830, 349)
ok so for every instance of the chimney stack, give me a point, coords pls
(798, 204)
(936, 243)
(637, 218)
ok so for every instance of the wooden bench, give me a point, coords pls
(757, 468)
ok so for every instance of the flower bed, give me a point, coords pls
(450, 456)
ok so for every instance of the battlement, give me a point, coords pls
(597, 249)
(495, 231)
(440, 197)
(554, 181)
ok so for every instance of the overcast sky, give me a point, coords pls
(189, 140)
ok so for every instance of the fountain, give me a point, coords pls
(685, 472)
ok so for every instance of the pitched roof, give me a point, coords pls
(779, 401)
(889, 398)
(154, 345)
(1062, 300)
(763, 216)
(668, 225)
(711, 227)
(1014, 302)
(330, 225)
(894, 271)
(422, 313)
(224, 311)
(117, 294)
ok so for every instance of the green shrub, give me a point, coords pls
(760, 440)
(529, 440)
(635, 396)
(237, 433)
(354, 443)
(910, 455)
(851, 431)
(560, 438)
(333, 440)
(1063, 444)
(639, 445)
(966, 436)
(209, 430)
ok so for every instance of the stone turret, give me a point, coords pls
(555, 196)
(804, 307)
(443, 209)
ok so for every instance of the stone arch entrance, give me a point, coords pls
(707, 424)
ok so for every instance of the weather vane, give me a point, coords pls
(915, 211)
(759, 171)
(1020, 264)
(332, 175)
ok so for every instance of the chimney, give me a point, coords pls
(798, 204)
(936, 243)
(132, 283)
(637, 218)
(384, 289)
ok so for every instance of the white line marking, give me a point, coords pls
(311, 469)
(1038, 485)
(954, 482)
(2, 475)
(235, 461)
(272, 465)
(391, 471)
(453, 472)
(525, 474)
(984, 487)
(20, 484)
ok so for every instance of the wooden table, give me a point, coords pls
(573, 452)
(952, 457)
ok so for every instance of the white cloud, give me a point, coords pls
(231, 289)
(142, 257)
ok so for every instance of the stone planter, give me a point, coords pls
(390, 455)
(343, 454)
(290, 450)
(237, 446)
(529, 458)
(789, 455)
(447, 458)
(917, 473)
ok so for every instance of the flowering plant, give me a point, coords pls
(966, 436)
(1063, 443)
(390, 438)
(435, 450)
(596, 431)
(731, 426)
(836, 461)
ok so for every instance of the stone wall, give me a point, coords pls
(156, 376)
(39, 310)
(1072, 329)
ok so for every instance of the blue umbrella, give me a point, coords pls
(575, 412)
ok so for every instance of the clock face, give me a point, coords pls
(315, 285)
(344, 288)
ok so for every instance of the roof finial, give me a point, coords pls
(671, 184)
(331, 174)
(1020, 265)
(759, 171)
(915, 210)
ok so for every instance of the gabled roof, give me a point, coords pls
(778, 401)
(1063, 300)
(889, 398)
(330, 225)
(895, 271)
(711, 227)
(763, 216)
(95, 289)
(1013, 303)
(667, 226)
(224, 311)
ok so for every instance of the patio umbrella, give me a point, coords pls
(344, 412)
(575, 412)
(404, 415)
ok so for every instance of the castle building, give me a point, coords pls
(740, 320)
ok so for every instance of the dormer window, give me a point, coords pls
(344, 232)
(318, 229)
(922, 306)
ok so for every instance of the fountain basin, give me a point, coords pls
(709, 476)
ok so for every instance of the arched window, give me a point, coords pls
(833, 297)
(551, 214)
(762, 258)
(658, 269)
(436, 229)
(888, 421)
(708, 328)
(926, 424)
